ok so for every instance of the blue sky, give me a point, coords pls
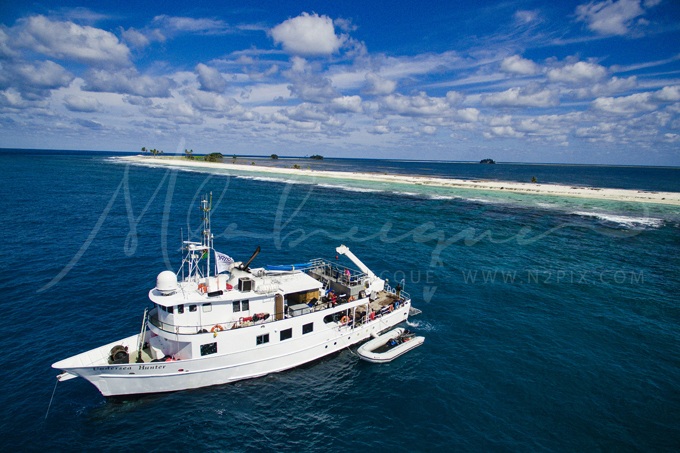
(522, 81)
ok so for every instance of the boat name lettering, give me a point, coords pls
(111, 368)
(128, 368)
(151, 367)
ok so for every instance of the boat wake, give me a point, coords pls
(421, 325)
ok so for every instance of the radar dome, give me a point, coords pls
(166, 283)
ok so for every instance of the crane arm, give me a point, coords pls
(344, 250)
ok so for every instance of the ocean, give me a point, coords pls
(550, 324)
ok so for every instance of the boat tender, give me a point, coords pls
(206, 328)
(389, 346)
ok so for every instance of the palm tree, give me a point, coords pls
(143, 149)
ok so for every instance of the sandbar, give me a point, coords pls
(557, 190)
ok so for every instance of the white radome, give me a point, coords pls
(166, 282)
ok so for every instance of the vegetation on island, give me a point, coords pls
(214, 157)
(189, 154)
(487, 161)
(154, 152)
(274, 156)
(316, 156)
(534, 180)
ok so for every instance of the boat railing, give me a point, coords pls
(337, 272)
(400, 294)
(228, 325)
(192, 330)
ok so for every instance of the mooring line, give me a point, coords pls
(53, 392)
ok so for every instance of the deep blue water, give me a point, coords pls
(549, 325)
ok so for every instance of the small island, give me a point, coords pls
(487, 161)
(316, 156)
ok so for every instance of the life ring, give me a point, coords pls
(202, 288)
(344, 320)
(217, 328)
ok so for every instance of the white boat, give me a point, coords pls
(389, 346)
(205, 329)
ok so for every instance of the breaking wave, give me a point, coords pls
(628, 221)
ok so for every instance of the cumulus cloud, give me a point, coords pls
(135, 38)
(13, 99)
(309, 35)
(454, 97)
(306, 112)
(81, 103)
(127, 82)
(612, 17)
(5, 47)
(210, 79)
(218, 105)
(379, 86)
(346, 104)
(624, 105)
(308, 86)
(503, 131)
(668, 94)
(522, 97)
(518, 65)
(33, 77)
(468, 115)
(418, 105)
(576, 73)
(379, 129)
(69, 41)
(176, 111)
(612, 86)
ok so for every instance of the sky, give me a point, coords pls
(593, 82)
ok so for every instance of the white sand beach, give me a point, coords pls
(624, 195)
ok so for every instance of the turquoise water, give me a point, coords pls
(549, 324)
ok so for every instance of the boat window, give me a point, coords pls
(262, 339)
(210, 348)
(241, 305)
(180, 309)
(307, 328)
(192, 307)
(207, 308)
(286, 334)
(171, 310)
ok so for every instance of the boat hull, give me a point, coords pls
(158, 377)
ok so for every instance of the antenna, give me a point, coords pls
(181, 250)
(207, 235)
